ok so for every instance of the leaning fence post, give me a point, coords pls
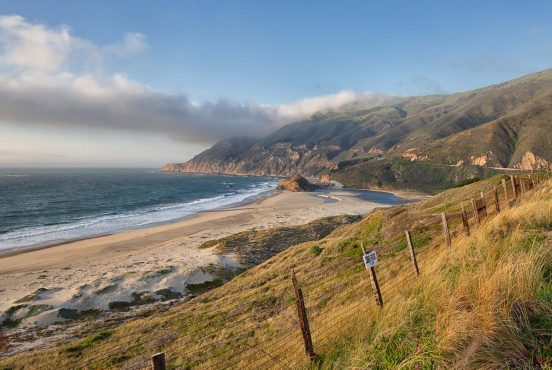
(412, 252)
(497, 205)
(303, 319)
(446, 229)
(158, 361)
(465, 222)
(522, 185)
(475, 212)
(373, 277)
(506, 192)
(514, 189)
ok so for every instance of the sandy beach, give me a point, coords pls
(90, 274)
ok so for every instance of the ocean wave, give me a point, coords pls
(109, 223)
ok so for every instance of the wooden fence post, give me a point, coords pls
(446, 229)
(497, 205)
(465, 222)
(374, 280)
(514, 189)
(475, 212)
(158, 361)
(506, 197)
(412, 252)
(522, 186)
(303, 319)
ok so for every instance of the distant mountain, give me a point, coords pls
(504, 125)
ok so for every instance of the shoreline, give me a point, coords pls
(256, 199)
(96, 273)
(8, 252)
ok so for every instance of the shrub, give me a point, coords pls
(316, 250)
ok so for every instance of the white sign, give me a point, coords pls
(370, 259)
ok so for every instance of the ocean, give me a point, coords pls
(48, 206)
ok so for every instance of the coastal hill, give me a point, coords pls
(484, 301)
(462, 135)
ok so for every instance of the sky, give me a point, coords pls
(141, 83)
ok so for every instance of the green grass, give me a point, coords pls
(10, 321)
(88, 342)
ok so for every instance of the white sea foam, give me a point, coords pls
(105, 224)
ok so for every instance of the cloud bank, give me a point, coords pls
(50, 77)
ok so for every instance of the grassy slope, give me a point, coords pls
(503, 141)
(404, 174)
(485, 302)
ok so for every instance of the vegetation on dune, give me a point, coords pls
(485, 302)
(254, 247)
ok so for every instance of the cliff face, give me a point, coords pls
(505, 125)
(278, 159)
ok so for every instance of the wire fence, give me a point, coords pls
(265, 329)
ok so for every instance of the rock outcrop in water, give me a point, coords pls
(297, 183)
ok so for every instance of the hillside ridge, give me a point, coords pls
(503, 125)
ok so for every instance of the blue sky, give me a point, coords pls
(279, 52)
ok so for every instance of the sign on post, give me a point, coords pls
(370, 259)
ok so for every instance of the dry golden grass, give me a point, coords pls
(484, 303)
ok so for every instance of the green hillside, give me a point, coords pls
(504, 125)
